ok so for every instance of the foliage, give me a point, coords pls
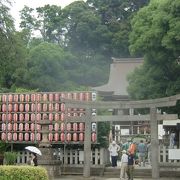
(10, 158)
(155, 33)
(23, 173)
(3, 147)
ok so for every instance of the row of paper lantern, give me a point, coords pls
(82, 96)
(33, 107)
(31, 127)
(51, 137)
(32, 117)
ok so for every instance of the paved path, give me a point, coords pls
(104, 178)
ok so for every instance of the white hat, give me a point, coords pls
(123, 151)
(113, 142)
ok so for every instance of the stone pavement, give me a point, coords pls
(105, 178)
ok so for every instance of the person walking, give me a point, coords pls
(124, 165)
(142, 149)
(113, 149)
(130, 167)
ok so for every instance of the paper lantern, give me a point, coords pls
(38, 97)
(68, 137)
(3, 136)
(50, 127)
(50, 107)
(9, 117)
(33, 97)
(9, 127)
(14, 136)
(32, 127)
(16, 98)
(50, 137)
(81, 96)
(56, 126)
(81, 126)
(21, 107)
(93, 137)
(26, 117)
(20, 137)
(15, 127)
(56, 117)
(26, 136)
(44, 107)
(38, 107)
(75, 137)
(62, 137)
(50, 97)
(75, 126)
(4, 108)
(45, 97)
(21, 117)
(3, 127)
(33, 107)
(45, 117)
(27, 97)
(62, 107)
(15, 117)
(87, 96)
(62, 127)
(10, 107)
(21, 97)
(9, 136)
(26, 127)
(68, 127)
(33, 117)
(50, 117)
(27, 107)
(32, 136)
(81, 137)
(10, 98)
(56, 137)
(20, 126)
(38, 117)
(15, 107)
(56, 97)
(38, 137)
(4, 98)
(4, 117)
(62, 116)
(56, 107)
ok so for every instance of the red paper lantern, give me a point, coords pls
(3, 127)
(56, 137)
(38, 97)
(9, 136)
(93, 137)
(16, 98)
(75, 126)
(3, 136)
(20, 137)
(56, 107)
(75, 96)
(56, 117)
(27, 107)
(62, 116)
(44, 97)
(9, 127)
(87, 96)
(63, 95)
(32, 136)
(44, 107)
(38, 107)
(10, 107)
(50, 117)
(50, 107)
(10, 98)
(62, 127)
(3, 117)
(62, 137)
(33, 117)
(69, 95)
(9, 117)
(56, 127)
(38, 137)
(26, 117)
(15, 127)
(81, 96)
(21, 97)
(50, 97)
(26, 127)
(50, 137)
(15, 117)
(21, 117)
(33, 97)
(50, 127)
(26, 136)
(81, 137)
(20, 126)
(45, 117)
(38, 117)
(27, 97)
(68, 127)
(21, 107)
(62, 107)
(4, 107)
(75, 136)
(68, 137)
(4, 98)
(32, 127)
(33, 107)
(38, 127)
(15, 107)
(56, 97)
(14, 136)
(81, 126)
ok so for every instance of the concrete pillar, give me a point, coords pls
(154, 143)
(87, 144)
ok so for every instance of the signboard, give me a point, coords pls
(174, 153)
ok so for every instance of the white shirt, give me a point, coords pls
(114, 148)
(124, 158)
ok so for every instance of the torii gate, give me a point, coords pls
(152, 104)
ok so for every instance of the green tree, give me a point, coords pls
(155, 33)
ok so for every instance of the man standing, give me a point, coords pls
(130, 168)
(113, 149)
(124, 164)
(142, 149)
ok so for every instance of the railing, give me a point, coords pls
(72, 156)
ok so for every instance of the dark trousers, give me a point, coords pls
(130, 172)
(114, 161)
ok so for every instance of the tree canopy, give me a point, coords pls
(155, 33)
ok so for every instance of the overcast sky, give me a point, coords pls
(19, 4)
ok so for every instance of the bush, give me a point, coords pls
(10, 158)
(23, 173)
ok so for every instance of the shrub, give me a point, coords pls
(10, 158)
(23, 173)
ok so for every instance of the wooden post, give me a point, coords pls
(87, 144)
(154, 143)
